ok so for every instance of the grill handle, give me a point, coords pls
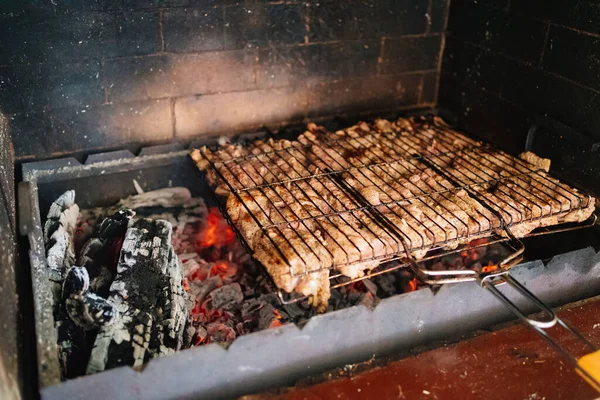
(587, 366)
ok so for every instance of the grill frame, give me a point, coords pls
(520, 168)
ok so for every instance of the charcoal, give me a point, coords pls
(295, 311)
(227, 297)
(110, 233)
(201, 289)
(220, 332)
(240, 328)
(266, 316)
(59, 229)
(190, 266)
(368, 300)
(100, 284)
(86, 309)
(200, 333)
(89, 250)
(371, 287)
(90, 311)
(188, 335)
(77, 281)
(98, 254)
(148, 293)
(386, 283)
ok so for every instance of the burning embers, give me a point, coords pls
(228, 297)
(479, 255)
(174, 276)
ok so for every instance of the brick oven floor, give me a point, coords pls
(512, 362)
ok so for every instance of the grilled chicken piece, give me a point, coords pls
(418, 182)
(535, 160)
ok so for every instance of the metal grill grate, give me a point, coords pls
(338, 201)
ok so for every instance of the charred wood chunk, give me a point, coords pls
(98, 250)
(149, 295)
(58, 238)
(86, 309)
(99, 255)
(227, 297)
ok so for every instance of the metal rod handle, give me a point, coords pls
(587, 366)
(523, 291)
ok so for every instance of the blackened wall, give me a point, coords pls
(506, 62)
(99, 74)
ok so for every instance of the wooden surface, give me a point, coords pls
(510, 363)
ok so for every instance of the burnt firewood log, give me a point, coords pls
(86, 309)
(149, 296)
(99, 254)
(58, 239)
(59, 229)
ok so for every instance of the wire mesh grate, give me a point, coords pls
(358, 197)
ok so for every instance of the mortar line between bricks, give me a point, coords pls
(161, 17)
(163, 53)
(307, 24)
(429, 9)
(380, 58)
(544, 45)
(532, 66)
(420, 89)
(310, 83)
(286, 122)
(104, 81)
(21, 158)
(446, 17)
(439, 69)
(580, 31)
(173, 118)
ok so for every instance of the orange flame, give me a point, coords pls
(210, 234)
(219, 268)
(489, 268)
(217, 232)
(275, 323)
(412, 285)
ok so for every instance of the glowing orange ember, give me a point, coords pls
(217, 233)
(186, 284)
(489, 268)
(412, 285)
(220, 268)
(275, 323)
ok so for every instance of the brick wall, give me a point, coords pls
(98, 74)
(508, 61)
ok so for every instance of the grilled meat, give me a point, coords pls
(350, 198)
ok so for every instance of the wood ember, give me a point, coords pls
(99, 254)
(85, 308)
(148, 292)
(227, 297)
(58, 238)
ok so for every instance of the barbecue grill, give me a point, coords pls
(555, 199)
(101, 101)
(153, 169)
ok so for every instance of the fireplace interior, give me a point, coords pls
(102, 102)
